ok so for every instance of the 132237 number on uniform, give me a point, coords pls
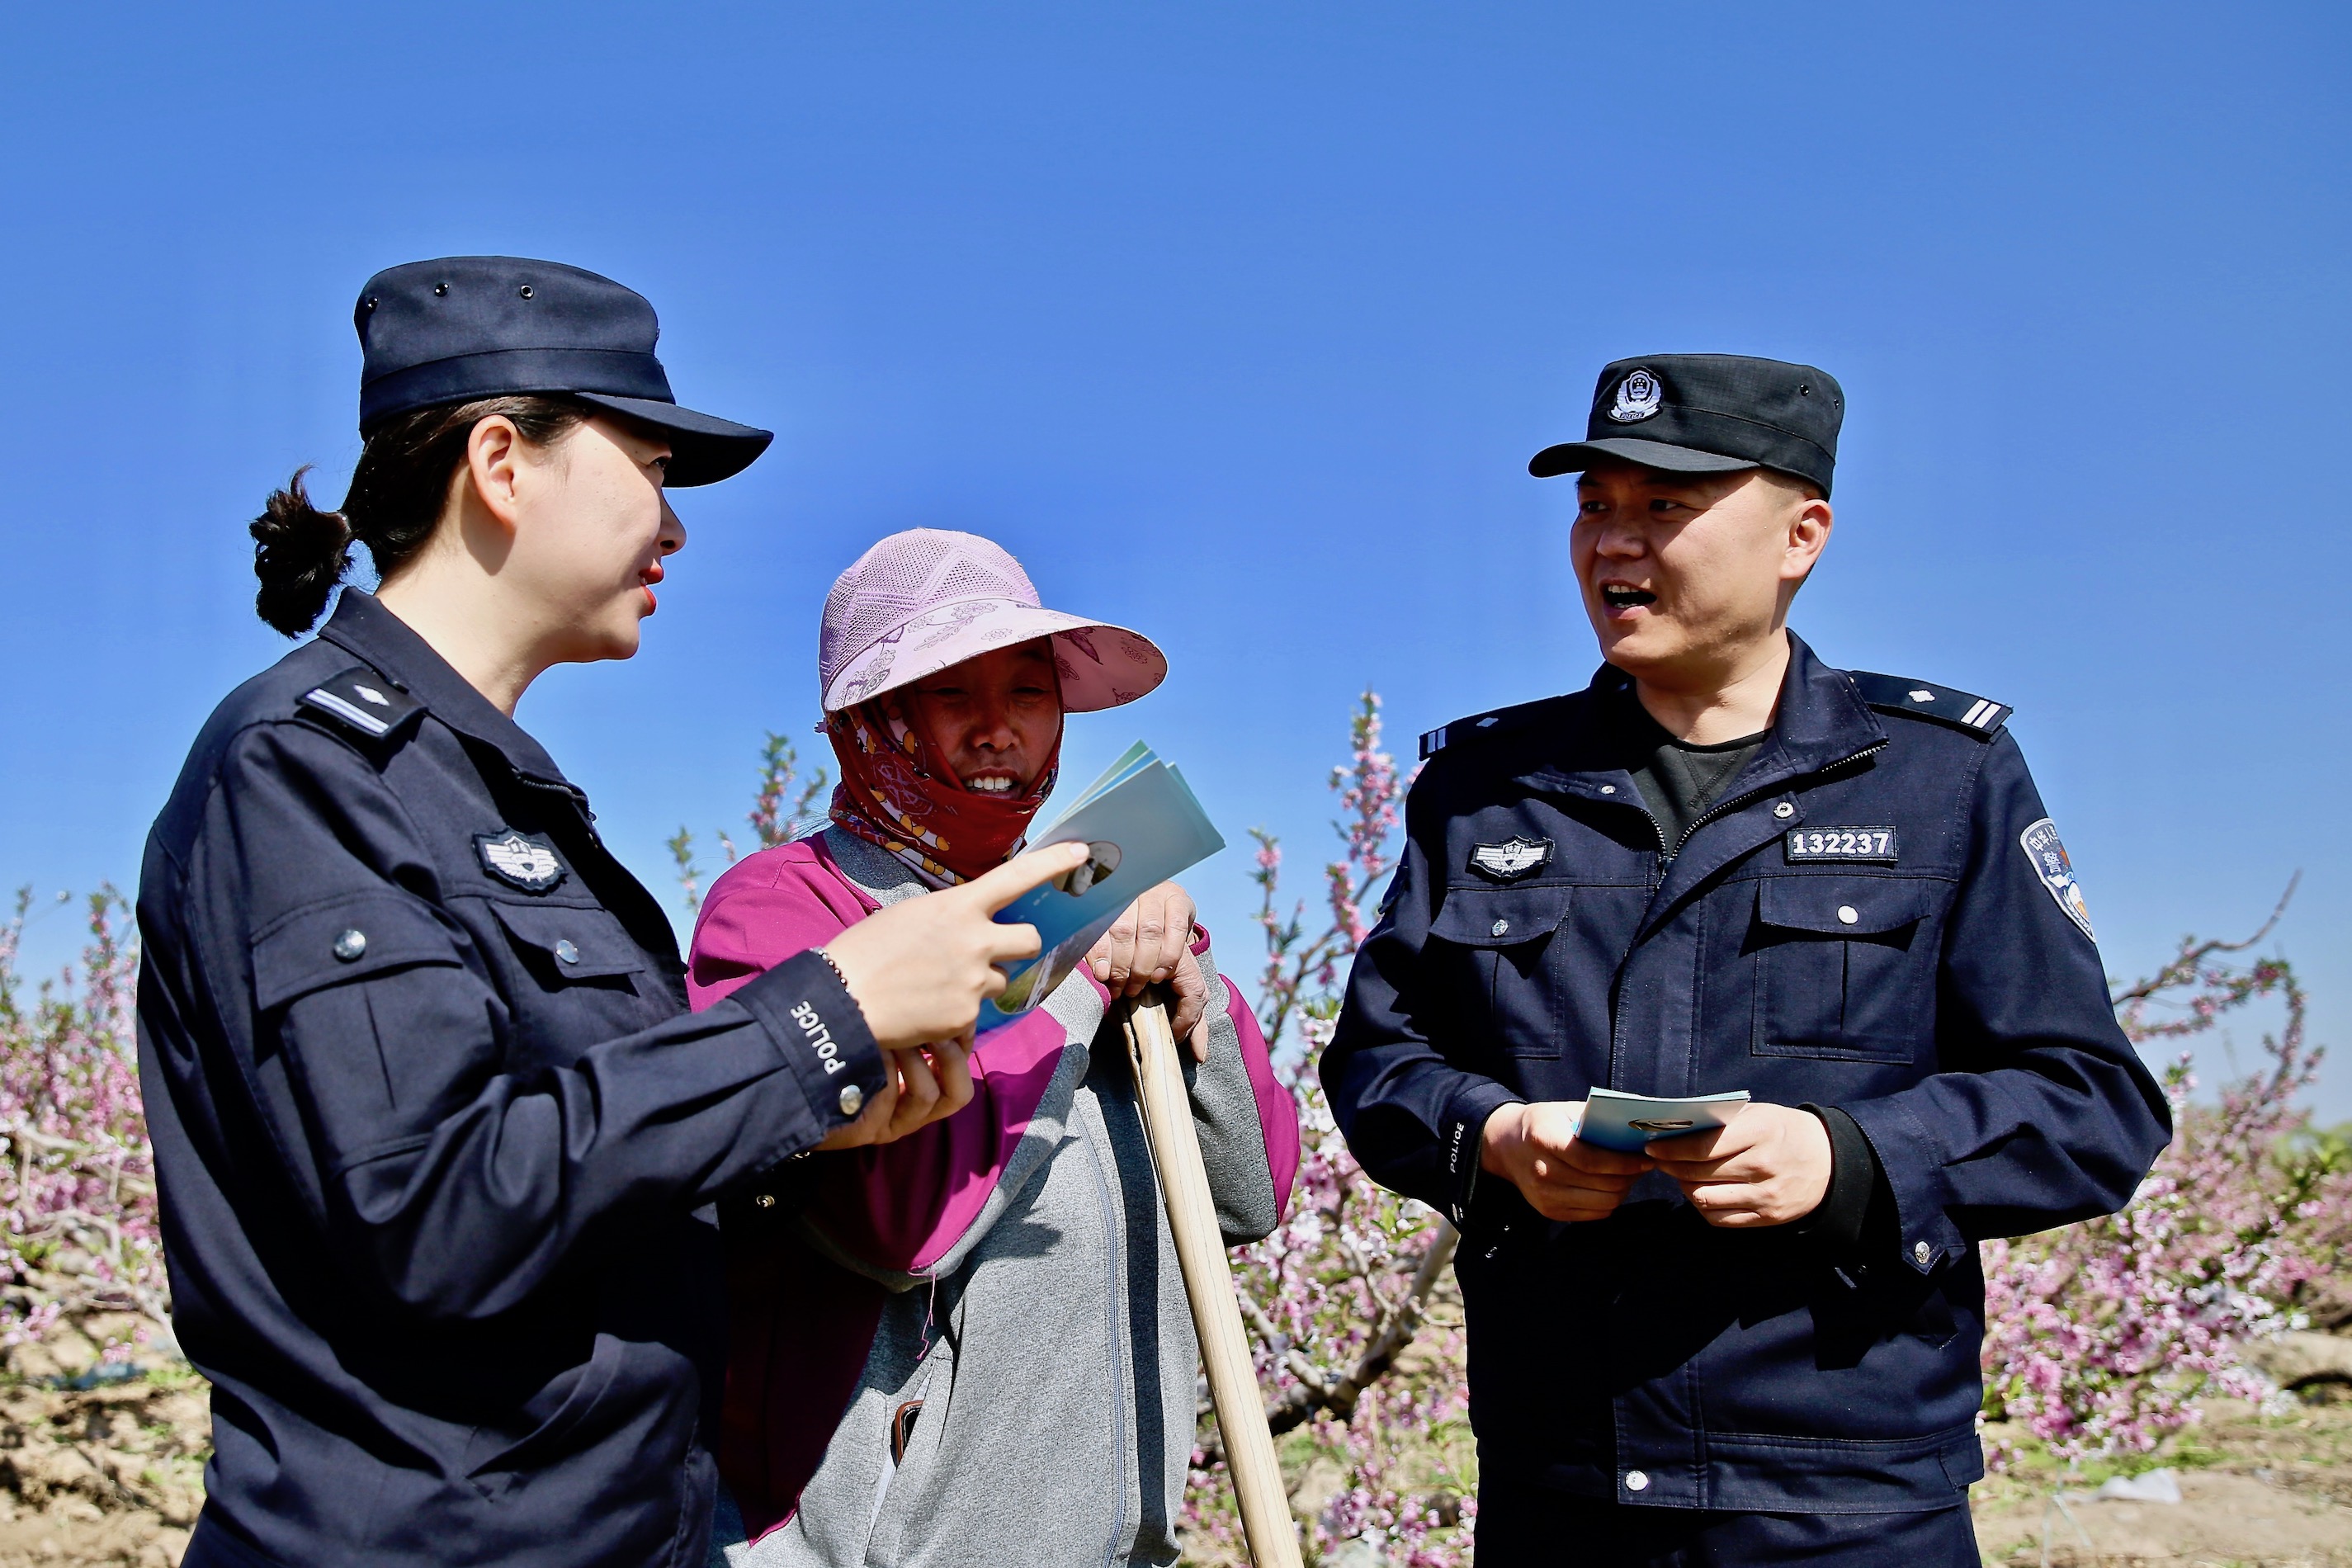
(1842, 844)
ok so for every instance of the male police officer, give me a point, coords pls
(1727, 866)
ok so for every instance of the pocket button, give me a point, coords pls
(1848, 914)
(1502, 928)
(566, 951)
(350, 945)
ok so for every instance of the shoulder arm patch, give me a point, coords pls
(360, 701)
(1979, 716)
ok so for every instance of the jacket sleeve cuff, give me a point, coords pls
(817, 1027)
(1463, 1139)
(1911, 1166)
(1839, 1224)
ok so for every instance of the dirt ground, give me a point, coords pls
(114, 1476)
(111, 1474)
(2270, 1490)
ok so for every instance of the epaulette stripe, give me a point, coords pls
(362, 701)
(1435, 740)
(1979, 716)
(1494, 720)
(358, 718)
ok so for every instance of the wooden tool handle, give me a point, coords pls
(1209, 1281)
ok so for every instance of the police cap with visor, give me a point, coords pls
(1707, 413)
(468, 327)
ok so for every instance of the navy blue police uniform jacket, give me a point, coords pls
(433, 1125)
(1875, 916)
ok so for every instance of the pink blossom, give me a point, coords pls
(2103, 1337)
(77, 1219)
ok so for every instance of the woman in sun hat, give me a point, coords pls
(975, 1346)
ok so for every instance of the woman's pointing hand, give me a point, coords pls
(919, 970)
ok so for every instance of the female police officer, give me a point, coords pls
(430, 1118)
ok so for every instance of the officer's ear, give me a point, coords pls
(1808, 521)
(493, 478)
(493, 470)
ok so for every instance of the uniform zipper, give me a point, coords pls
(1664, 862)
(579, 803)
(1733, 802)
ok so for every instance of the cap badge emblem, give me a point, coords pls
(1638, 397)
(1511, 859)
(528, 863)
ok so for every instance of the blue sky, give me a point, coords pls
(1238, 324)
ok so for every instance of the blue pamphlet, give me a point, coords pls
(1628, 1122)
(1144, 826)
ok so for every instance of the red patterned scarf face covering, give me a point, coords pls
(896, 794)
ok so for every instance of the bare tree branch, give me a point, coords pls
(1398, 1325)
(2183, 968)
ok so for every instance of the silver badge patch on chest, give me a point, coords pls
(529, 864)
(1511, 859)
(2056, 870)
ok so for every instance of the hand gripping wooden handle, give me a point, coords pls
(1209, 1281)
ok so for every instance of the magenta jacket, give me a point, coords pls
(858, 1280)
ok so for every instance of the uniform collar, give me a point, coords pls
(1821, 721)
(362, 627)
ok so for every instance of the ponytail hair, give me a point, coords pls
(397, 494)
(300, 553)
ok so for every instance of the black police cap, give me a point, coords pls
(496, 326)
(1708, 414)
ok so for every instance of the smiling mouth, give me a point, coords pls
(1618, 596)
(990, 784)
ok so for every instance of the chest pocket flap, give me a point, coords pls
(1841, 905)
(371, 932)
(1499, 916)
(572, 943)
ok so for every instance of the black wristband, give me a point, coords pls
(1838, 1223)
(1463, 1145)
(821, 1035)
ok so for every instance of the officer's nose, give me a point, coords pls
(673, 530)
(1618, 538)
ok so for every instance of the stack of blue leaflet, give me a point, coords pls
(1629, 1123)
(1143, 826)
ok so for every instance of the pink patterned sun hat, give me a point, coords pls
(925, 599)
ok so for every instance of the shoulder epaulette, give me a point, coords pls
(1979, 715)
(1495, 722)
(362, 701)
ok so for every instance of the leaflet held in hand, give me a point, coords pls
(1144, 826)
(1629, 1122)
